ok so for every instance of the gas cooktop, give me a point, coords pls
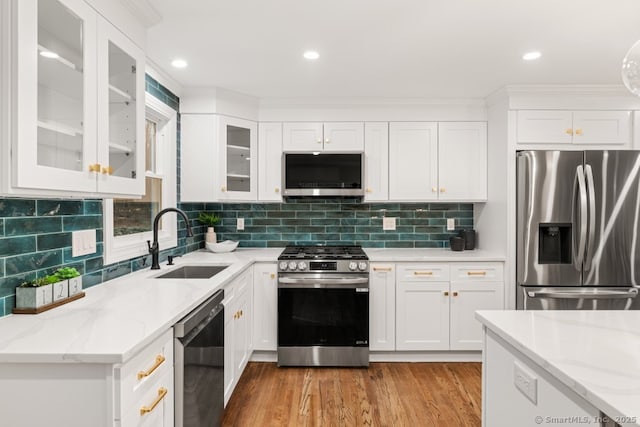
(323, 252)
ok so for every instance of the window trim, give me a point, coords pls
(134, 245)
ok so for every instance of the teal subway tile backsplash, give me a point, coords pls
(59, 207)
(17, 207)
(17, 245)
(31, 225)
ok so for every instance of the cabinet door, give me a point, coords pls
(376, 150)
(198, 158)
(413, 161)
(237, 159)
(230, 311)
(265, 311)
(601, 127)
(121, 111)
(269, 161)
(466, 298)
(344, 136)
(462, 161)
(382, 307)
(302, 136)
(55, 141)
(422, 315)
(550, 127)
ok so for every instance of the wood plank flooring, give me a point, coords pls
(385, 394)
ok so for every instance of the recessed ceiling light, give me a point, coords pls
(49, 54)
(530, 56)
(179, 63)
(310, 54)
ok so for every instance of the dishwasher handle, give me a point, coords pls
(217, 311)
(200, 314)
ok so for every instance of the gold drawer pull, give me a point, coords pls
(434, 190)
(162, 392)
(423, 273)
(569, 131)
(277, 190)
(442, 189)
(382, 269)
(94, 168)
(107, 170)
(446, 293)
(272, 275)
(223, 189)
(579, 132)
(455, 294)
(158, 362)
(476, 273)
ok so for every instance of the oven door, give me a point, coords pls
(323, 310)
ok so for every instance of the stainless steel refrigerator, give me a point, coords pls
(578, 221)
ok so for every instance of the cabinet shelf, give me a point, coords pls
(237, 176)
(114, 147)
(59, 127)
(121, 95)
(238, 148)
(61, 60)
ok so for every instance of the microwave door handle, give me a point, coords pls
(591, 193)
(579, 189)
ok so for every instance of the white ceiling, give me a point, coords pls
(391, 48)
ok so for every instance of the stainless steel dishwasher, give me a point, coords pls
(199, 365)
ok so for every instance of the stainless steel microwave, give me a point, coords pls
(323, 174)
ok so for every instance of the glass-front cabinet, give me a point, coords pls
(68, 58)
(237, 140)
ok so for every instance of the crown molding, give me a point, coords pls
(143, 11)
(365, 101)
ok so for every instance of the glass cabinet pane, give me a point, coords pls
(122, 113)
(238, 159)
(60, 87)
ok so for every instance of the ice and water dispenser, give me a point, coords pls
(554, 243)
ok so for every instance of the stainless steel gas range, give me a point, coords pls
(323, 306)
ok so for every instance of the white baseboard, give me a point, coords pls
(395, 356)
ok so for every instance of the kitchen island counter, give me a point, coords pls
(594, 354)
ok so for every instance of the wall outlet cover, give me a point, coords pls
(526, 382)
(83, 242)
(388, 223)
(240, 224)
(451, 224)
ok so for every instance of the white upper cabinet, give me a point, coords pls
(237, 159)
(269, 162)
(66, 114)
(462, 161)
(197, 157)
(311, 136)
(413, 161)
(574, 127)
(376, 151)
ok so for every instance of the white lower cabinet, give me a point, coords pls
(435, 304)
(382, 307)
(518, 392)
(237, 330)
(265, 313)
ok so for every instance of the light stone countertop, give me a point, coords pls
(430, 255)
(594, 353)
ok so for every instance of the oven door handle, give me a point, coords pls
(285, 282)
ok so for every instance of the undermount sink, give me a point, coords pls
(193, 272)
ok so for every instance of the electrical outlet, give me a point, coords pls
(240, 224)
(451, 224)
(526, 382)
(388, 223)
(83, 242)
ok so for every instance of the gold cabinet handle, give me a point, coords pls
(476, 273)
(442, 189)
(107, 170)
(162, 392)
(569, 131)
(368, 190)
(159, 359)
(319, 141)
(241, 313)
(455, 294)
(94, 167)
(327, 141)
(434, 190)
(382, 269)
(423, 273)
(235, 315)
(223, 189)
(272, 275)
(277, 190)
(579, 132)
(446, 293)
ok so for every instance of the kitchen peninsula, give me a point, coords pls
(545, 367)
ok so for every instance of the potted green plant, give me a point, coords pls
(34, 293)
(209, 219)
(73, 277)
(60, 286)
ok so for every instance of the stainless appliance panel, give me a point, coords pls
(613, 255)
(323, 356)
(579, 298)
(323, 174)
(545, 192)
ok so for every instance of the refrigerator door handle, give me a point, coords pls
(585, 293)
(579, 246)
(591, 195)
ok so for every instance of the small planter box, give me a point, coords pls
(60, 290)
(75, 286)
(34, 297)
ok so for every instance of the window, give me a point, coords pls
(128, 222)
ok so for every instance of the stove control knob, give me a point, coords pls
(353, 266)
(293, 265)
(283, 265)
(302, 265)
(362, 266)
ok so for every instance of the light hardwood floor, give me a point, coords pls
(385, 394)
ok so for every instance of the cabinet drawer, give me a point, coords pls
(427, 272)
(474, 272)
(138, 375)
(154, 407)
